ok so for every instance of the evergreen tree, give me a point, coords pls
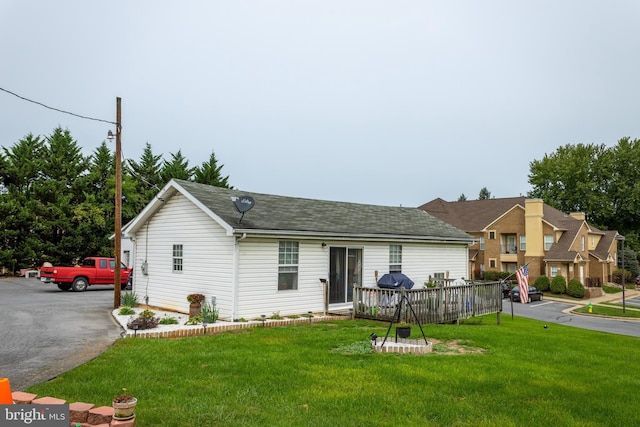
(64, 171)
(462, 198)
(484, 194)
(146, 179)
(20, 213)
(177, 167)
(210, 173)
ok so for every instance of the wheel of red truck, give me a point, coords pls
(64, 286)
(79, 284)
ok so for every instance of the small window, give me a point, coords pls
(492, 235)
(554, 271)
(395, 258)
(492, 263)
(127, 257)
(482, 243)
(523, 243)
(548, 241)
(288, 254)
(177, 258)
(582, 243)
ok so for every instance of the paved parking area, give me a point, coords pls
(45, 331)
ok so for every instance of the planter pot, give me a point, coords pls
(403, 331)
(124, 410)
(195, 309)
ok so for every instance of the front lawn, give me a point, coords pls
(611, 310)
(318, 375)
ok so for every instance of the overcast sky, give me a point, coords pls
(379, 102)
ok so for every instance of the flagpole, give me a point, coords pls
(505, 279)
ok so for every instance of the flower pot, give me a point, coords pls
(403, 331)
(124, 410)
(195, 309)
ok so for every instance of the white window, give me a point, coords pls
(482, 243)
(395, 258)
(288, 253)
(582, 243)
(177, 258)
(492, 235)
(127, 258)
(548, 241)
(523, 243)
(492, 263)
(554, 271)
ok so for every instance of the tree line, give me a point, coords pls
(57, 205)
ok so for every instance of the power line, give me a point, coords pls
(57, 109)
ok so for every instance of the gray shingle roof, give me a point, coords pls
(309, 216)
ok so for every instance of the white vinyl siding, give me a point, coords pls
(207, 270)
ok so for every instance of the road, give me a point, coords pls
(46, 331)
(553, 312)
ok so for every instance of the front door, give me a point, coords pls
(345, 271)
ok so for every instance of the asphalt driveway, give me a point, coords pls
(46, 331)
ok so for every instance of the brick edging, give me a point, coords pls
(84, 414)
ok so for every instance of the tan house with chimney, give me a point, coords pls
(511, 232)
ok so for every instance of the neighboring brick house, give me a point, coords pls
(511, 232)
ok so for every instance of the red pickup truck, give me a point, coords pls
(92, 271)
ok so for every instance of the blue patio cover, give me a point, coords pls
(395, 281)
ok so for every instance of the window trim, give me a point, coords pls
(523, 242)
(395, 258)
(548, 244)
(177, 258)
(288, 265)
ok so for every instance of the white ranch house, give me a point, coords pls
(191, 239)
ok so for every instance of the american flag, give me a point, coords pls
(523, 283)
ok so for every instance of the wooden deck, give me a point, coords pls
(443, 304)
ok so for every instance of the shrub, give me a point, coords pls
(542, 283)
(575, 288)
(616, 276)
(129, 299)
(209, 313)
(126, 311)
(146, 320)
(493, 275)
(168, 320)
(558, 285)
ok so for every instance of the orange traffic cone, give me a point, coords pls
(5, 392)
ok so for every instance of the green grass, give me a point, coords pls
(608, 309)
(322, 375)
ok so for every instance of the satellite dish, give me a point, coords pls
(244, 203)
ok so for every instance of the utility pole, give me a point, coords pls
(118, 210)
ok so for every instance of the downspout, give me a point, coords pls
(236, 275)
